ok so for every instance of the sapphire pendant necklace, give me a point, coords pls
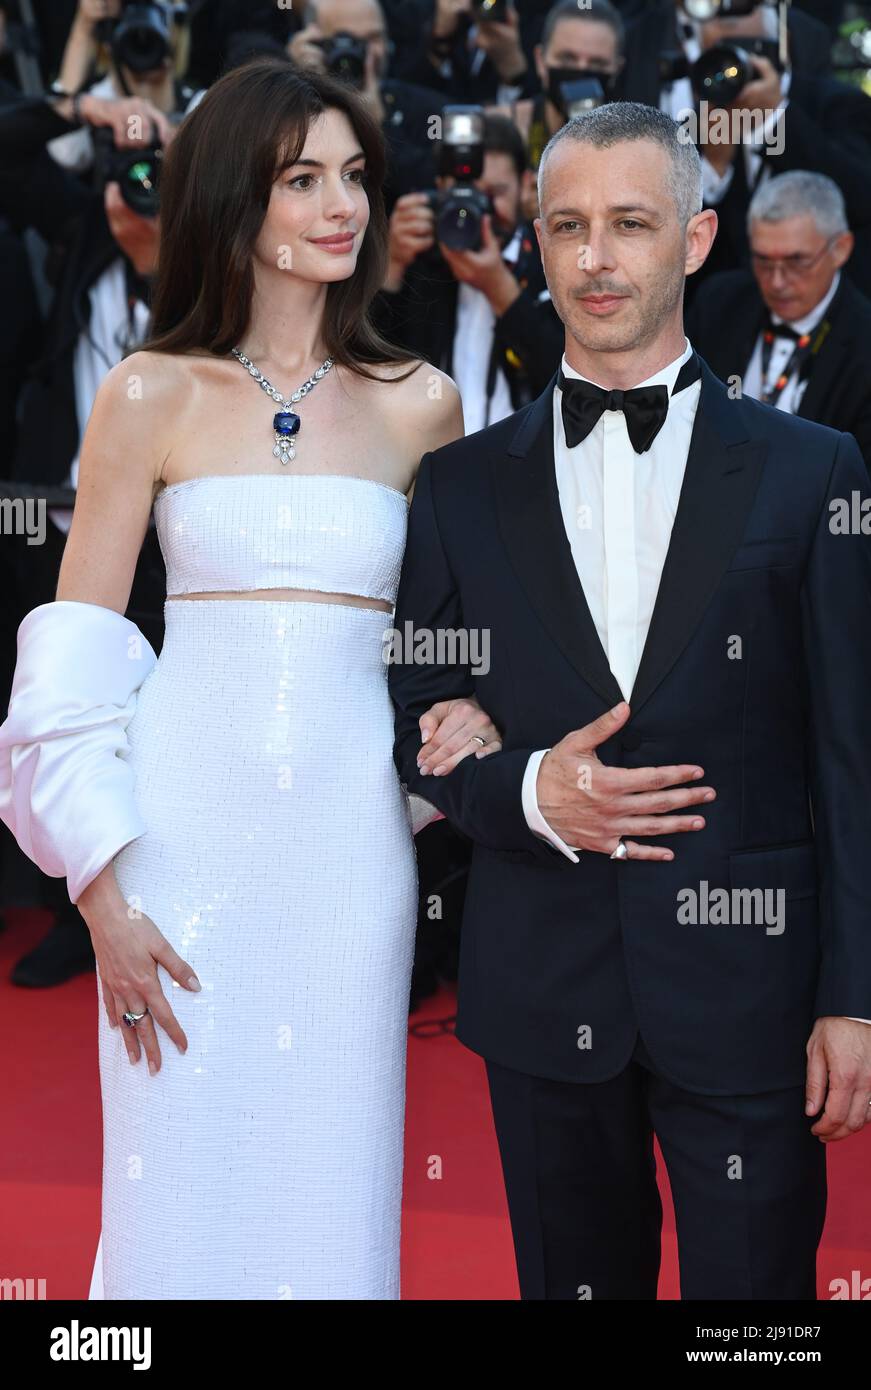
(285, 422)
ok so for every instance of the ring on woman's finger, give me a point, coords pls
(131, 1019)
(476, 738)
(621, 852)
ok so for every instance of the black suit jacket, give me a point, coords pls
(727, 316)
(550, 947)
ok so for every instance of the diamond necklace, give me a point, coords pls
(285, 422)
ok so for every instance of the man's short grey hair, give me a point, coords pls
(617, 121)
(800, 194)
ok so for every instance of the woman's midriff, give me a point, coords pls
(293, 595)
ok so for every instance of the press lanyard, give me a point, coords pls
(807, 346)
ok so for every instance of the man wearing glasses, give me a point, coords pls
(794, 332)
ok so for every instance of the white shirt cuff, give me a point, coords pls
(534, 819)
(857, 1020)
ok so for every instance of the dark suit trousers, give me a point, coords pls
(748, 1181)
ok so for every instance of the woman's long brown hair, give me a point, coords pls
(214, 193)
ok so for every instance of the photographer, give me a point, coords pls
(101, 255)
(148, 54)
(664, 40)
(577, 47)
(349, 38)
(482, 315)
(463, 50)
(766, 120)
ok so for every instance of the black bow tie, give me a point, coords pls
(645, 407)
(781, 330)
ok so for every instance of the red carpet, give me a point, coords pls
(456, 1239)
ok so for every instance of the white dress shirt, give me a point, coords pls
(789, 399)
(618, 508)
(473, 342)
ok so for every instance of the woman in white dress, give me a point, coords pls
(228, 816)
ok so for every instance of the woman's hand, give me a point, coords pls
(447, 730)
(128, 947)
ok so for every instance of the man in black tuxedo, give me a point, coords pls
(635, 534)
(794, 331)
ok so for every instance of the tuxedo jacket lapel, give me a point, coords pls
(722, 474)
(534, 535)
(720, 481)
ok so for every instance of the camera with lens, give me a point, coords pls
(136, 171)
(141, 37)
(723, 71)
(345, 57)
(574, 90)
(459, 210)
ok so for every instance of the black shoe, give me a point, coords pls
(65, 952)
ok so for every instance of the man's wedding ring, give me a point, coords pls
(621, 852)
(131, 1019)
(476, 738)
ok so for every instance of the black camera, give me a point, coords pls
(141, 37)
(574, 90)
(723, 71)
(459, 211)
(136, 171)
(345, 57)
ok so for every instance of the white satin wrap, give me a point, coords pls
(66, 789)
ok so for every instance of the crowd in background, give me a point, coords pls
(783, 305)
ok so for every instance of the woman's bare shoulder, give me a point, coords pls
(427, 409)
(139, 404)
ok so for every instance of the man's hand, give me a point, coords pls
(839, 1073)
(765, 92)
(412, 228)
(447, 17)
(304, 48)
(133, 119)
(138, 237)
(484, 269)
(501, 43)
(593, 807)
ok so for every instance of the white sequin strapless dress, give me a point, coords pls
(266, 1163)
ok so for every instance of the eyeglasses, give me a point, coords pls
(790, 265)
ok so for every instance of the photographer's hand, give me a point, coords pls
(412, 226)
(137, 236)
(765, 92)
(304, 48)
(501, 43)
(134, 120)
(485, 269)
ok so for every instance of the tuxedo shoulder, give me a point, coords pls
(474, 452)
(796, 441)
